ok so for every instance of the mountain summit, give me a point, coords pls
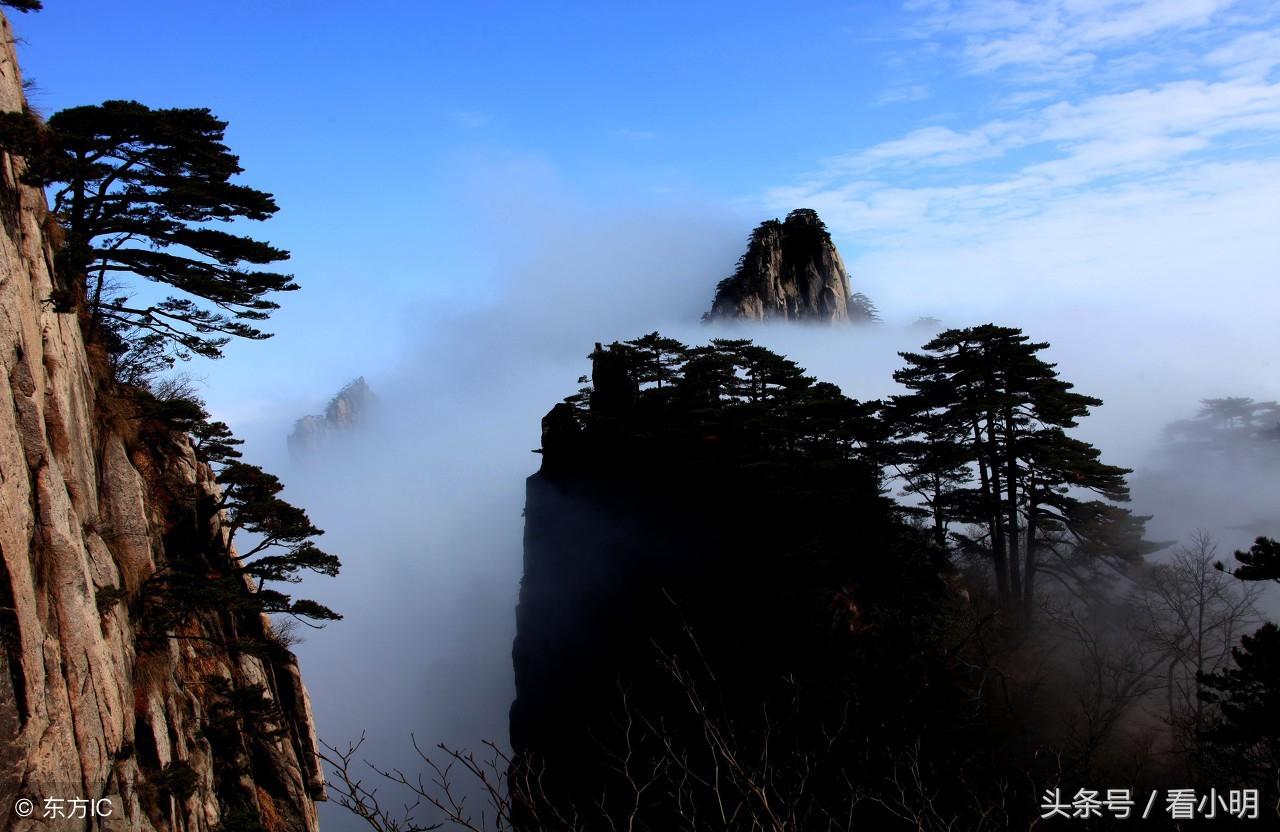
(791, 271)
(345, 411)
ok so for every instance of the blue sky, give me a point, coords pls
(476, 192)
(965, 154)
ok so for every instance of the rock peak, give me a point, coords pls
(351, 404)
(790, 271)
(346, 410)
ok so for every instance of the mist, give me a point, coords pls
(424, 504)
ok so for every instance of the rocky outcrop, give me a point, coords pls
(791, 271)
(180, 730)
(345, 411)
(689, 542)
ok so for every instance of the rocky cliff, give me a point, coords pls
(791, 271)
(705, 548)
(347, 410)
(182, 727)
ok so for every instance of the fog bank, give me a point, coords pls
(424, 505)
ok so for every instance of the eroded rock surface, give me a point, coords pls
(791, 271)
(91, 505)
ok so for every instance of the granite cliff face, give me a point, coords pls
(94, 501)
(347, 410)
(791, 271)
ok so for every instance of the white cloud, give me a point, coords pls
(1059, 37)
(1198, 247)
(1183, 107)
(1023, 98)
(903, 93)
(1252, 55)
(926, 146)
(1103, 22)
(1142, 137)
(1161, 196)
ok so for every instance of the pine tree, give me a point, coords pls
(1245, 737)
(1260, 563)
(928, 454)
(1235, 428)
(1247, 733)
(983, 395)
(863, 310)
(283, 548)
(135, 190)
(220, 577)
(657, 359)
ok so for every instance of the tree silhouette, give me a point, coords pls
(657, 359)
(283, 534)
(863, 310)
(1260, 563)
(1247, 732)
(983, 397)
(1246, 735)
(219, 576)
(135, 190)
(929, 455)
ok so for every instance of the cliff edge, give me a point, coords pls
(180, 728)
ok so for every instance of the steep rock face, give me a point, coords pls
(791, 271)
(91, 506)
(349, 409)
(675, 533)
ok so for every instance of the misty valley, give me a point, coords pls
(951, 503)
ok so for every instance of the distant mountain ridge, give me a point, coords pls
(348, 409)
(791, 271)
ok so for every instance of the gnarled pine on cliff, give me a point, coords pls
(198, 722)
